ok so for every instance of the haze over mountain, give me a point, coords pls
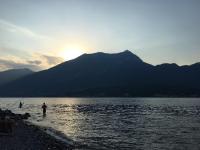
(13, 74)
(101, 74)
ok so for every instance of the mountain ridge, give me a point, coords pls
(101, 74)
(13, 74)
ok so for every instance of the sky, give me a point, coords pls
(39, 34)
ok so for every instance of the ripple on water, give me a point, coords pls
(131, 124)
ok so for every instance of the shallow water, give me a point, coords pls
(119, 123)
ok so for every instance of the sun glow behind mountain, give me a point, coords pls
(56, 31)
(70, 52)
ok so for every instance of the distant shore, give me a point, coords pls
(27, 136)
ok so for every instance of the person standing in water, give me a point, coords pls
(44, 107)
(20, 104)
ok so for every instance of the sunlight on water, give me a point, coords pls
(122, 123)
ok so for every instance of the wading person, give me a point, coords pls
(20, 105)
(44, 107)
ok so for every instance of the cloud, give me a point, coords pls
(9, 64)
(36, 62)
(10, 51)
(10, 27)
(47, 60)
(11, 58)
(52, 60)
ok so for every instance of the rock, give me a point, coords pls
(8, 113)
(25, 116)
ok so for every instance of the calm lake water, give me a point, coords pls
(119, 123)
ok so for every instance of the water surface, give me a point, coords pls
(119, 123)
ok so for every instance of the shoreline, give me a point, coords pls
(25, 135)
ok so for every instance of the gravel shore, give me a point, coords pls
(29, 137)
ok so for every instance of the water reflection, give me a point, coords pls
(122, 123)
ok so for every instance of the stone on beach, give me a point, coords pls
(18, 135)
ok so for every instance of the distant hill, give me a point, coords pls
(13, 74)
(108, 75)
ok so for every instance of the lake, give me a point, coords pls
(118, 123)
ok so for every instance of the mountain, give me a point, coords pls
(101, 74)
(13, 74)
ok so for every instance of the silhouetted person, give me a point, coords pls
(44, 107)
(20, 105)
